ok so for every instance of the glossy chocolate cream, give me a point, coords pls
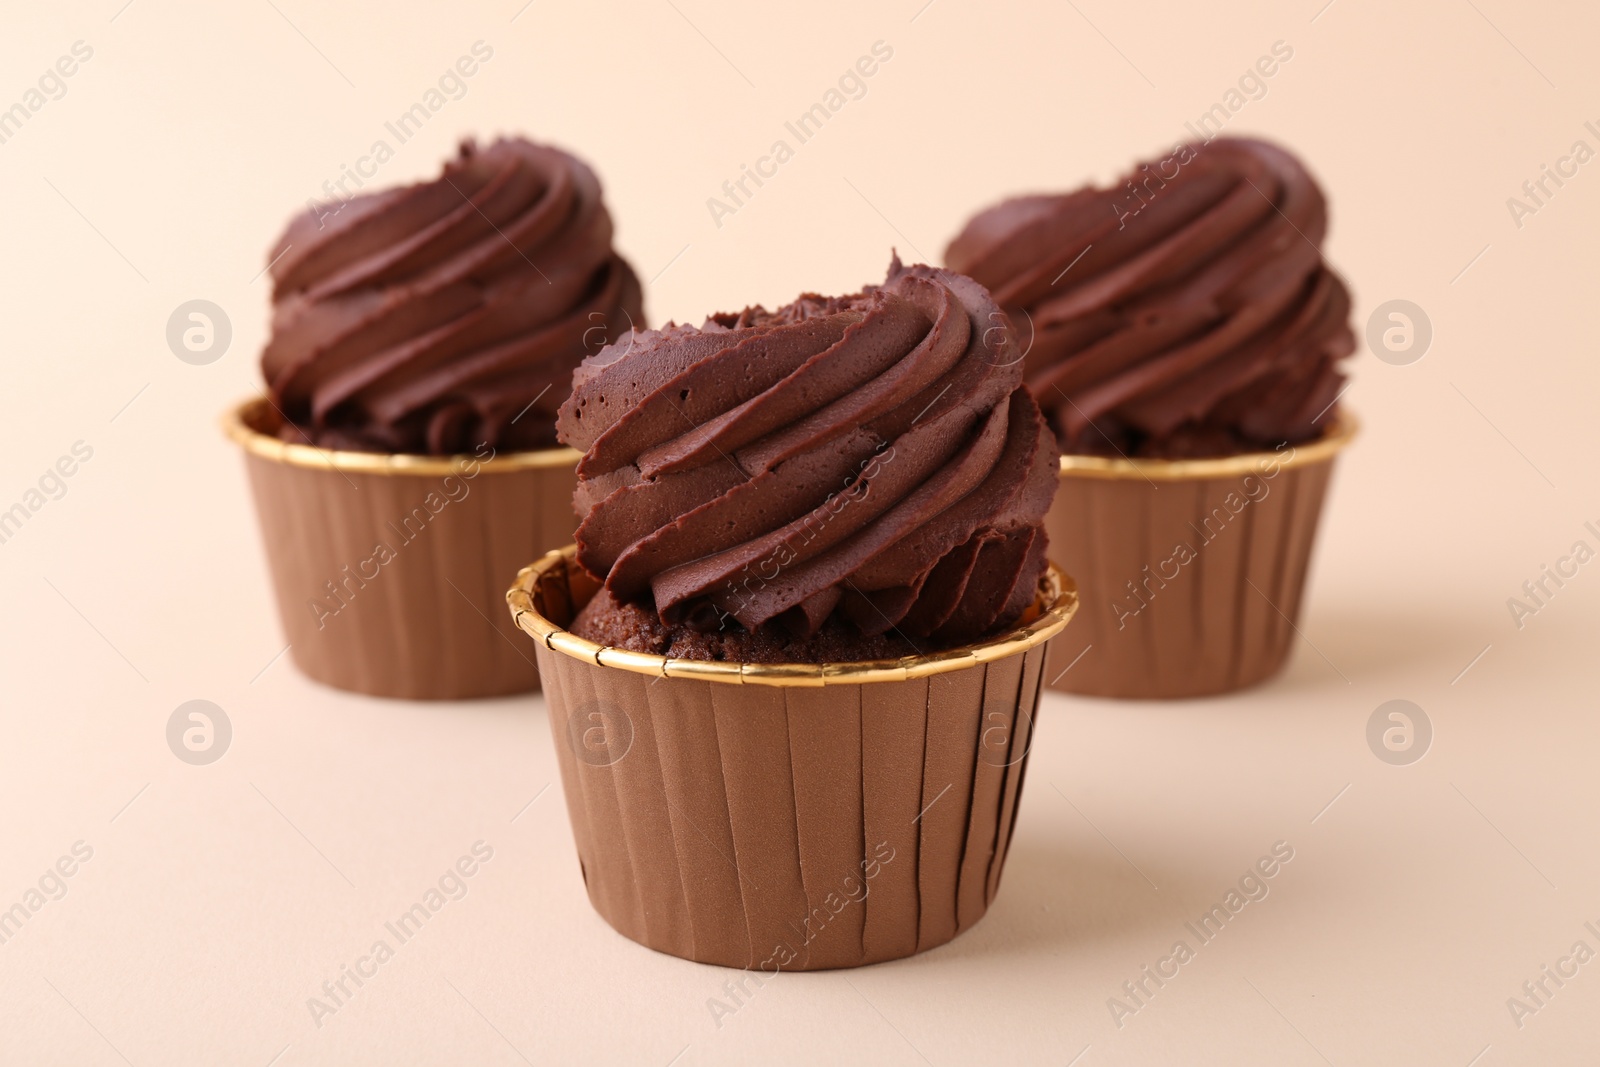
(448, 315)
(1185, 311)
(843, 478)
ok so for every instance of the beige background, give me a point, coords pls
(219, 898)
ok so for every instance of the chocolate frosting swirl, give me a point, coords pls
(1185, 312)
(870, 458)
(442, 316)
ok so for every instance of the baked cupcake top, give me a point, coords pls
(1186, 311)
(446, 315)
(854, 466)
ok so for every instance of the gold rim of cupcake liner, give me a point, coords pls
(1056, 604)
(237, 424)
(1338, 435)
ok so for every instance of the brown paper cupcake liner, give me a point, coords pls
(1191, 571)
(390, 570)
(788, 817)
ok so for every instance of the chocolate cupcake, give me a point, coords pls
(1183, 335)
(837, 508)
(404, 459)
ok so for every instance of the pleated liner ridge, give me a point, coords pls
(428, 622)
(1159, 623)
(736, 825)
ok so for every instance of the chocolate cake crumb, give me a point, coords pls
(638, 628)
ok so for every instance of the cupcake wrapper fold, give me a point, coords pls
(787, 827)
(1191, 572)
(390, 571)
